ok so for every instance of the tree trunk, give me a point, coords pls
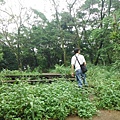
(101, 12)
(18, 51)
(98, 55)
(61, 32)
(109, 7)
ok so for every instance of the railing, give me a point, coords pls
(44, 77)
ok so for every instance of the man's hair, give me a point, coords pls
(76, 50)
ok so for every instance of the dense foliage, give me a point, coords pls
(40, 43)
(106, 87)
(61, 98)
(56, 100)
(30, 43)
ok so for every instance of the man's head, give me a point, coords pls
(76, 50)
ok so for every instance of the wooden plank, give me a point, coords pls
(43, 75)
(31, 81)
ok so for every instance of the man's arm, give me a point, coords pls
(72, 70)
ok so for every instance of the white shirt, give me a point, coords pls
(74, 61)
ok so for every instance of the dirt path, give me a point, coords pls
(102, 115)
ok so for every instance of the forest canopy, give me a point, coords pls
(29, 39)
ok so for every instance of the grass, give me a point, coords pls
(61, 98)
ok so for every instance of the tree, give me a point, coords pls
(15, 21)
(115, 39)
(98, 35)
(40, 43)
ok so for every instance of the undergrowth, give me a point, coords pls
(61, 98)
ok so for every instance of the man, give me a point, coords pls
(75, 60)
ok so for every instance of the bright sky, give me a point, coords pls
(44, 6)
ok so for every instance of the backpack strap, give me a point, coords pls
(77, 59)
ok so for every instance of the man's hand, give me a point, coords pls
(72, 69)
(72, 74)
